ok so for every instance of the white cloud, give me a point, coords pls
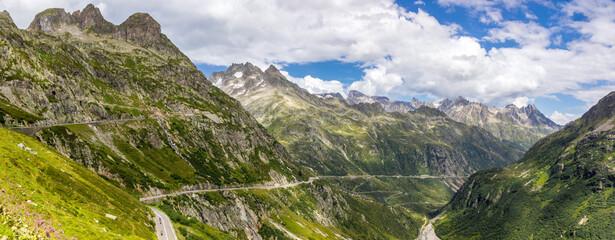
(377, 80)
(522, 101)
(419, 2)
(403, 52)
(529, 15)
(490, 11)
(591, 95)
(526, 34)
(601, 13)
(563, 118)
(316, 85)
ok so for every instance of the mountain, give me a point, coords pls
(158, 124)
(44, 195)
(561, 188)
(126, 104)
(356, 97)
(332, 137)
(331, 95)
(521, 127)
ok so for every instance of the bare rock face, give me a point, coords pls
(90, 16)
(140, 28)
(50, 20)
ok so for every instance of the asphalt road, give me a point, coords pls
(164, 227)
(311, 179)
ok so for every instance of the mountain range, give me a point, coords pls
(521, 127)
(334, 137)
(101, 121)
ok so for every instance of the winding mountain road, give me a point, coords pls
(287, 185)
(164, 227)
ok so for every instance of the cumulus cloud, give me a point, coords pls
(402, 52)
(522, 101)
(526, 34)
(563, 118)
(316, 85)
(592, 95)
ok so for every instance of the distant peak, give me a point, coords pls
(272, 70)
(513, 106)
(355, 93)
(461, 100)
(531, 107)
(331, 95)
(247, 67)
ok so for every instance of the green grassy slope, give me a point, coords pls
(45, 193)
(562, 188)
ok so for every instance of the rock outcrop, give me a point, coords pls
(140, 28)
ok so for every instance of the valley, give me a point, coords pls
(110, 131)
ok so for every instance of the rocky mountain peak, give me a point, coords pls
(6, 16)
(6, 19)
(90, 16)
(245, 69)
(355, 93)
(50, 20)
(511, 106)
(272, 70)
(605, 108)
(461, 101)
(332, 95)
(140, 28)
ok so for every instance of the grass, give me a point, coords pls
(66, 193)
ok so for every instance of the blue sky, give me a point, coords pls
(558, 55)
